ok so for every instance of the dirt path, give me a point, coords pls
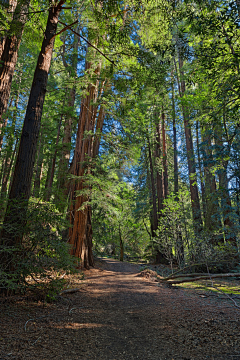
(120, 315)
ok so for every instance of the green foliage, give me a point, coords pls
(145, 40)
(113, 203)
(34, 263)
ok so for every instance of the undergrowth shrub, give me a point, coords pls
(36, 262)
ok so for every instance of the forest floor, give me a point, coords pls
(120, 315)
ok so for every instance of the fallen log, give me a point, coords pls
(172, 276)
(199, 278)
(184, 276)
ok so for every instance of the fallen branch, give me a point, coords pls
(34, 319)
(69, 291)
(199, 278)
(184, 276)
(229, 297)
(172, 276)
(74, 308)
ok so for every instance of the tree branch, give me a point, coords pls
(64, 29)
(90, 44)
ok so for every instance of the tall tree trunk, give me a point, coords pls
(50, 182)
(8, 59)
(71, 94)
(15, 217)
(80, 232)
(201, 171)
(153, 190)
(211, 222)
(179, 242)
(226, 205)
(159, 257)
(175, 160)
(8, 165)
(196, 210)
(10, 153)
(164, 157)
(159, 179)
(66, 142)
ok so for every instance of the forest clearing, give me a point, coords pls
(118, 314)
(119, 179)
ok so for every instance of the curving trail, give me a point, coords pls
(120, 315)
(130, 317)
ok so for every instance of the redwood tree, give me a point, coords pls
(90, 121)
(9, 50)
(14, 221)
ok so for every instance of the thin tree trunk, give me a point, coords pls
(38, 168)
(200, 171)
(179, 242)
(9, 55)
(164, 157)
(2, 43)
(175, 160)
(226, 205)
(159, 180)
(154, 198)
(121, 244)
(50, 182)
(10, 7)
(10, 152)
(4, 125)
(7, 169)
(98, 132)
(8, 165)
(159, 257)
(212, 209)
(196, 210)
(66, 142)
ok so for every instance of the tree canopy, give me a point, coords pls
(119, 133)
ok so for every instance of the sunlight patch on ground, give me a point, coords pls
(76, 325)
(227, 287)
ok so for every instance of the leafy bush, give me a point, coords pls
(35, 262)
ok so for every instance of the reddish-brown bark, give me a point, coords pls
(80, 232)
(9, 54)
(21, 183)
